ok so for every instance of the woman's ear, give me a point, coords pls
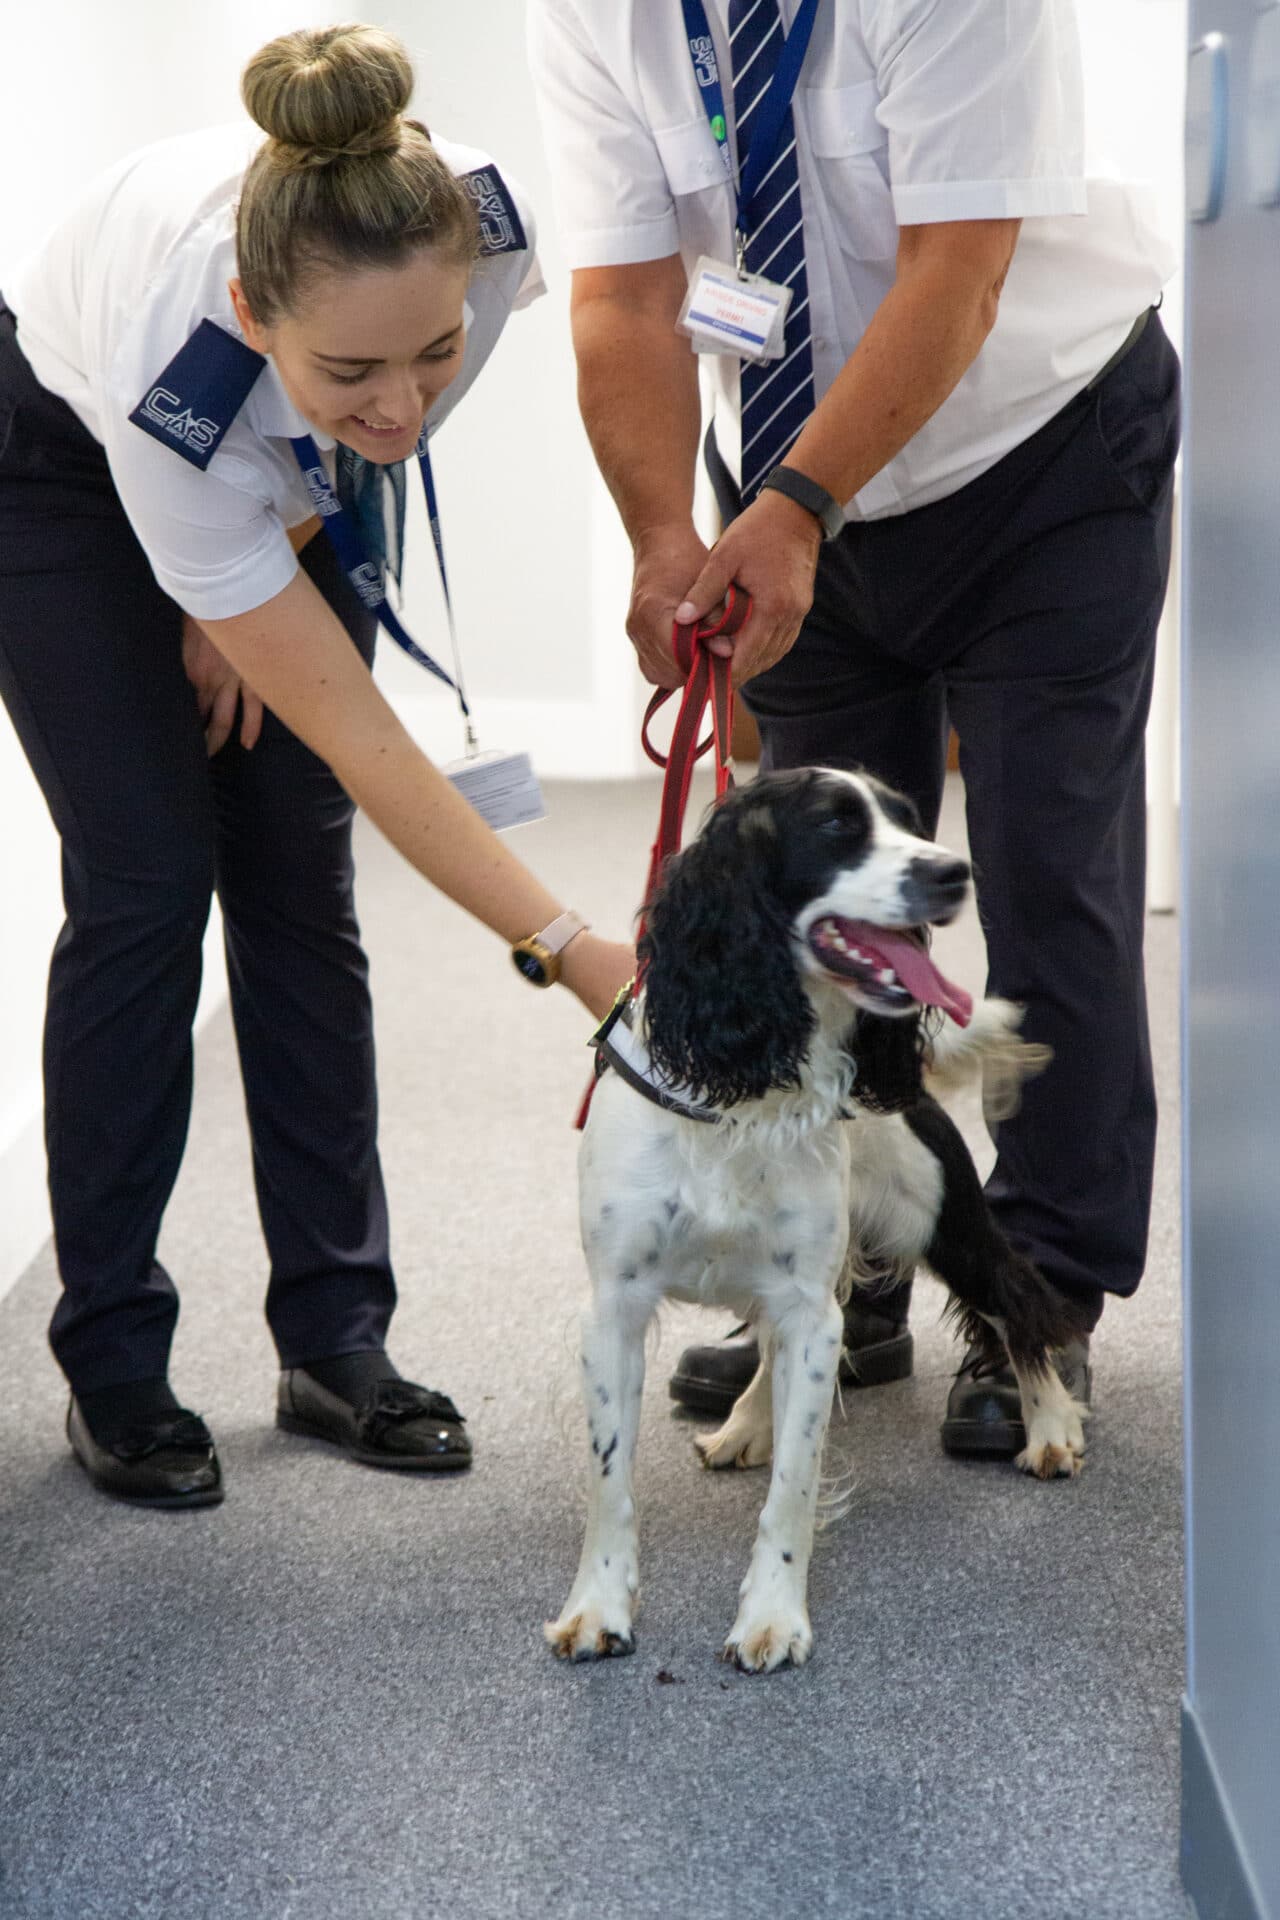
(255, 335)
(725, 1011)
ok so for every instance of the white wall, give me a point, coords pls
(538, 562)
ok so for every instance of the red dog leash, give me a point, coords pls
(708, 681)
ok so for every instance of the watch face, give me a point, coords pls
(530, 966)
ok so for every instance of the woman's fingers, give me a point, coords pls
(221, 716)
(251, 717)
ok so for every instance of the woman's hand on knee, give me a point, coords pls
(218, 689)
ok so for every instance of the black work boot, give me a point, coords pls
(877, 1348)
(984, 1407)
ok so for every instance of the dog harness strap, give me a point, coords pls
(617, 1045)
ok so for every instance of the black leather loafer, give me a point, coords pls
(165, 1460)
(394, 1424)
(984, 1409)
(878, 1348)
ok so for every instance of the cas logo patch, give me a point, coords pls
(165, 409)
(501, 228)
(191, 403)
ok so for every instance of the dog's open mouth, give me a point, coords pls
(889, 968)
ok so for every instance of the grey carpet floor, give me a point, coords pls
(331, 1695)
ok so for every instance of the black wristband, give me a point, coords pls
(807, 494)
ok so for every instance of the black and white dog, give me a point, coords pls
(768, 1141)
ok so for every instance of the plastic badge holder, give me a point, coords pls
(728, 312)
(502, 787)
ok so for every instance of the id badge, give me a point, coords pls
(502, 787)
(728, 312)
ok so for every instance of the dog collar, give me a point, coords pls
(618, 1045)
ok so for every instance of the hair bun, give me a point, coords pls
(327, 92)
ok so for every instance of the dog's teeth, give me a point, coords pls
(886, 976)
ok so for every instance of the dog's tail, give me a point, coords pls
(990, 1047)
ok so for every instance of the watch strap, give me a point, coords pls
(556, 937)
(806, 493)
(537, 956)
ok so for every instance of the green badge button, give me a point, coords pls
(718, 126)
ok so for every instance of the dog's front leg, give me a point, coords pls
(773, 1615)
(595, 1623)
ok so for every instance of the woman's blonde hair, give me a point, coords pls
(343, 179)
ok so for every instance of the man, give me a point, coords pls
(949, 498)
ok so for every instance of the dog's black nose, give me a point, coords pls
(951, 873)
(936, 887)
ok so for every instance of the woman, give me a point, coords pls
(206, 308)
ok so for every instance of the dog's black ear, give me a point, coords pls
(725, 1011)
(888, 1058)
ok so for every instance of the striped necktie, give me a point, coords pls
(777, 395)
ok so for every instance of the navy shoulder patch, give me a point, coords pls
(501, 228)
(194, 401)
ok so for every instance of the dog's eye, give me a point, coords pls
(833, 828)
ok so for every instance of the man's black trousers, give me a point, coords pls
(91, 673)
(1023, 610)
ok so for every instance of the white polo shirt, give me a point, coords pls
(112, 296)
(906, 112)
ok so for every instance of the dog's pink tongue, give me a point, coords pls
(918, 974)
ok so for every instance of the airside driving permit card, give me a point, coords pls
(728, 312)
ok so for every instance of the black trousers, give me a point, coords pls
(1023, 610)
(91, 673)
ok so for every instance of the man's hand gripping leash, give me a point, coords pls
(708, 682)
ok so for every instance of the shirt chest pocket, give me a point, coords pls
(851, 155)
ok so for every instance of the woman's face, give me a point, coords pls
(370, 350)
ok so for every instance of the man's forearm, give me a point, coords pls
(638, 392)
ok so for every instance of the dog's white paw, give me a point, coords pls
(587, 1632)
(761, 1645)
(1055, 1443)
(736, 1444)
(991, 1046)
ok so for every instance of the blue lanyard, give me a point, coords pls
(752, 166)
(364, 575)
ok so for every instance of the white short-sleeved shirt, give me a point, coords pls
(113, 294)
(906, 112)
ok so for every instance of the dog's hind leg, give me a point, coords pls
(595, 1623)
(772, 1624)
(1003, 1301)
(1054, 1424)
(746, 1438)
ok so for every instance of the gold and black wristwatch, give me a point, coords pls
(538, 956)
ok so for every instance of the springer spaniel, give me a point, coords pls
(766, 1141)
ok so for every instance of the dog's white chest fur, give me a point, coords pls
(712, 1215)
